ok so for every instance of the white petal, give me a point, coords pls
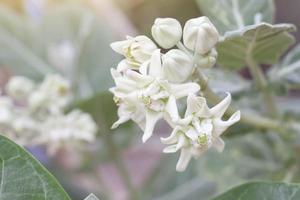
(119, 46)
(144, 68)
(139, 79)
(181, 142)
(197, 105)
(123, 65)
(115, 74)
(218, 110)
(220, 126)
(151, 119)
(184, 159)
(171, 109)
(155, 68)
(185, 121)
(183, 90)
(219, 144)
(170, 149)
(192, 133)
(121, 120)
(173, 138)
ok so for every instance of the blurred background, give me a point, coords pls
(72, 37)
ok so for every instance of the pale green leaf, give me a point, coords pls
(221, 80)
(230, 15)
(90, 39)
(20, 46)
(91, 197)
(23, 177)
(261, 190)
(288, 70)
(264, 43)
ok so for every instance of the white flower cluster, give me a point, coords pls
(149, 83)
(33, 114)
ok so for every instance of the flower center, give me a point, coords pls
(202, 139)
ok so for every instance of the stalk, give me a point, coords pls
(262, 84)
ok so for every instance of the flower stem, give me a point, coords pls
(116, 156)
(262, 84)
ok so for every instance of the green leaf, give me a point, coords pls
(288, 70)
(235, 14)
(91, 197)
(221, 80)
(264, 43)
(261, 190)
(20, 46)
(90, 39)
(23, 177)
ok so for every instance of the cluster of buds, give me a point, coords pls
(149, 83)
(33, 114)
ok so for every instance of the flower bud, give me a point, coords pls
(137, 50)
(167, 32)
(177, 66)
(200, 35)
(19, 87)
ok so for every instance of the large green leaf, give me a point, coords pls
(288, 70)
(261, 190)
(230, 15)
(264, 43)
(23, 177)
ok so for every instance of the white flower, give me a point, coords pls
(199, 130)
(167, 32)
(5, 110)
(146, 97)
(19, 87)
(200, 35)
(136, 50)
(53, 94)
(177, 66)
(40, 118)
(66, 129)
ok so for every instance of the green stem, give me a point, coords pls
(262, 84)
(116, 156)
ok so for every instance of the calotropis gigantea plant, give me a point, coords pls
(149, 83)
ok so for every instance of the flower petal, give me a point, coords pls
(155, 67)
(120, 45)
(172, 138)
(220, 126)
(171, 109)
(151, 119)
(218, 110)
(192, 133)
(124, 65)
(183, 90)
(184, 159)
(139, 79)
(197, 105)
(170, 149)
(121, 120)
